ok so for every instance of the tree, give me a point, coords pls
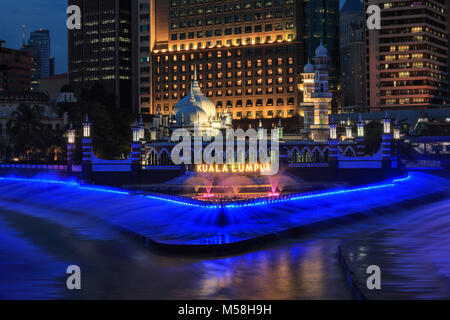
(24, 131)
(111, 125)
(373, 133)
(52, 143)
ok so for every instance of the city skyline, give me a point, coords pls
(36, 15)
(19, 12)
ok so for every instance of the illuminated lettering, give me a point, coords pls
(233, 168)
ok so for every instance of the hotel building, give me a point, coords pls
(100, 52)
(407, 60)
(248, 55)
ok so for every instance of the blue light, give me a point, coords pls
(104, 190)
(180, 221)
(199, 204)
(403, 179)
(64, 182)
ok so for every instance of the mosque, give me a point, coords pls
(322, 150)
(196, 110)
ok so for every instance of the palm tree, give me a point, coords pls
(52, 143)
(24, 130)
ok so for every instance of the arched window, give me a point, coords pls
(152, 159)
(350, 153)
(165, 159)
(316, 156)
(325, 155)
(295, 157)
(306, 157)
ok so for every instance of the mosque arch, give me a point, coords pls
(152, 158)
(294, 156)
(316, 155)
(164, 158)
(349, 152)
(325, 154)
(306, 156)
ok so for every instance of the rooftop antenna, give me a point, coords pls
(23, 36)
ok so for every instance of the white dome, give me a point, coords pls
(309, 68)
(321, 51)
(191, 114)
(195, 102)
(189, 111)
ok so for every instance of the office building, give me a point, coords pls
(248, 55)
(15, 70)
(407, 60)
(36, 73)
(352, 65)
(41, 40)
(100, 52)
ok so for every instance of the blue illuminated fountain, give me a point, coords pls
(174, 221)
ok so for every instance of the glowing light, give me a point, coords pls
(65, 182)
(71, 136)
(273, 194)
(233, 168)
(273, 197)
(209, 195)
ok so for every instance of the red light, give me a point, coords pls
(208, 195)
(274, 194)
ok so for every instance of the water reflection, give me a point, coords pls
(38, 243)
(120, 268)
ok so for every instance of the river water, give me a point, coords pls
(36, 249)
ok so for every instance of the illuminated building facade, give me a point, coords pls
(248, 55)
(100, 52)
(144, 36)
(407, 60)
(316, 106)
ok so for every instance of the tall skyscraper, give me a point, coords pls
(41, 40)
(407, 60)
(144, 37)
(321, 23)
(100, 52)
(248, 55)
(36, 74)
(352, 29)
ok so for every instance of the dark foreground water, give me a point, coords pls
(35, 254)
(37, 245)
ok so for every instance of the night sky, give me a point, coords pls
(36, 14)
